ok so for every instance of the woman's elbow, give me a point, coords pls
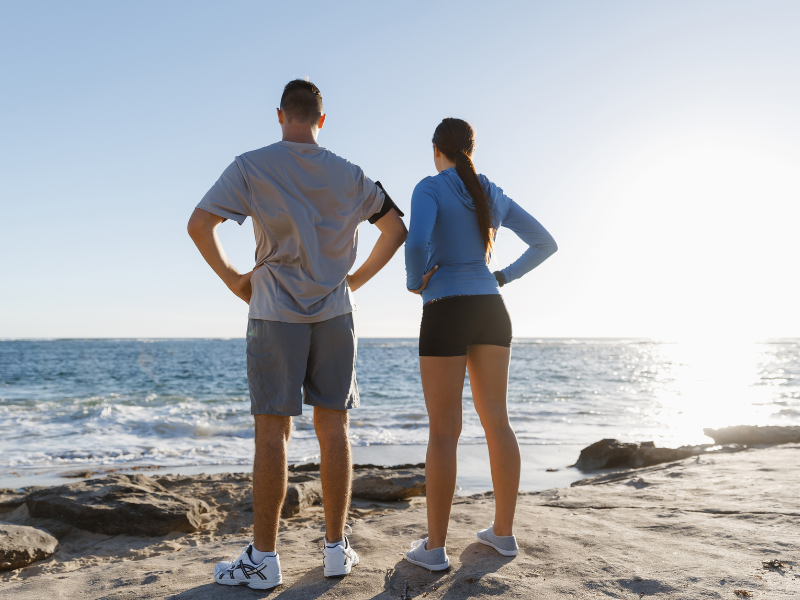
(414, 247)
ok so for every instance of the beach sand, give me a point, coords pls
(699, 528)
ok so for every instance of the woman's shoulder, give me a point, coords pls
(495, 193)
(429, 186)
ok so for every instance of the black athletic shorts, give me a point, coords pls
(451, 324)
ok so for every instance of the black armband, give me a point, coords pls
(501, 279)
(388, 204)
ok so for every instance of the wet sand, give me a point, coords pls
(473, 459)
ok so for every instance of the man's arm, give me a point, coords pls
(202, 229)
(393, 234)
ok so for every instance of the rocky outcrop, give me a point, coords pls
(609, 454)
(303, 491)
(118, 504)
(388, 485)
(11, 499)
(20, 546)
(753, 435)
(370, 482)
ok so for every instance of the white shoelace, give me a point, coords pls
(418, 543)
(236, 556)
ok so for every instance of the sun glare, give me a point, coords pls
(702, 224)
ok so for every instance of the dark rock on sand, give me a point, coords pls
(386, 485)
(307, 467)
(11, 499)
(609, 454)
(754, 435)
(303, 492)
(370, 482)
(20, 546)
(118, 504)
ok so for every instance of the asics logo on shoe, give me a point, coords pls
(246, 569)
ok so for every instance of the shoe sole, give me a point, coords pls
(345, 570)
(255, 585)
(441, 567)
(503, 552)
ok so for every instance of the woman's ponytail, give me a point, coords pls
(456, 140)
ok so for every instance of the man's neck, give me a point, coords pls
(301, 135)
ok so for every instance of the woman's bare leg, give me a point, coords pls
(443, 385)
(488, 377)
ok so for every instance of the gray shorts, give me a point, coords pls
(291, 364)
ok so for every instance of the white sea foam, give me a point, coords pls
(185, 402)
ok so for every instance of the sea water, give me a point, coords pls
(74, 404)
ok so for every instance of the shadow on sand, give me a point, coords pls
(311, 585)
(477, 561)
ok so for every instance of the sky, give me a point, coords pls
(659, 142)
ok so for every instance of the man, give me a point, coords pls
(306, 204)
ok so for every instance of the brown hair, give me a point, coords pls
(456, 140)
(301, 100)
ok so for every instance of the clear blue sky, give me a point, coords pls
(658, 141)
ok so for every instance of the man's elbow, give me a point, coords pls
(393, 228)
(201, 223)
(193, 227)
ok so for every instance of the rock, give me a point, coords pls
(609, 454)
(118, 504)
(304, 467)
(20, 546)
(301, 494)
(370, 482)
(388, 485)
(404, 466)
(753, 435)
(11, 499)
(379, 483)
(638, 483)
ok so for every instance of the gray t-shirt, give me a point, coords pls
(306, 204)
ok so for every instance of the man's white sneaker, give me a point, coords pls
(339, 559)
(240, 570)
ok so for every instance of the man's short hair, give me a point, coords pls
(301, 101)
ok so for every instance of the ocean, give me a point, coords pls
(77, 404)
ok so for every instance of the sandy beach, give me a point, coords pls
(697, 528)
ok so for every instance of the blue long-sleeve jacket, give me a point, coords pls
(444, 231)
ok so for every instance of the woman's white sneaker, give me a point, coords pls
(338, 559)
(241, 570)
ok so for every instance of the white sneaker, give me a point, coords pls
(338, 560)
(241, 570)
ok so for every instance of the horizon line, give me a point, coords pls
(226, 338)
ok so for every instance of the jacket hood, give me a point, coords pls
(453, 181)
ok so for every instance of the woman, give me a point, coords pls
(454, 219)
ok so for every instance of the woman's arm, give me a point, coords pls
(529, 230)
(424, 207)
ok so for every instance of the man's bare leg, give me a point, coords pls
(336, 468)
(270, 475)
